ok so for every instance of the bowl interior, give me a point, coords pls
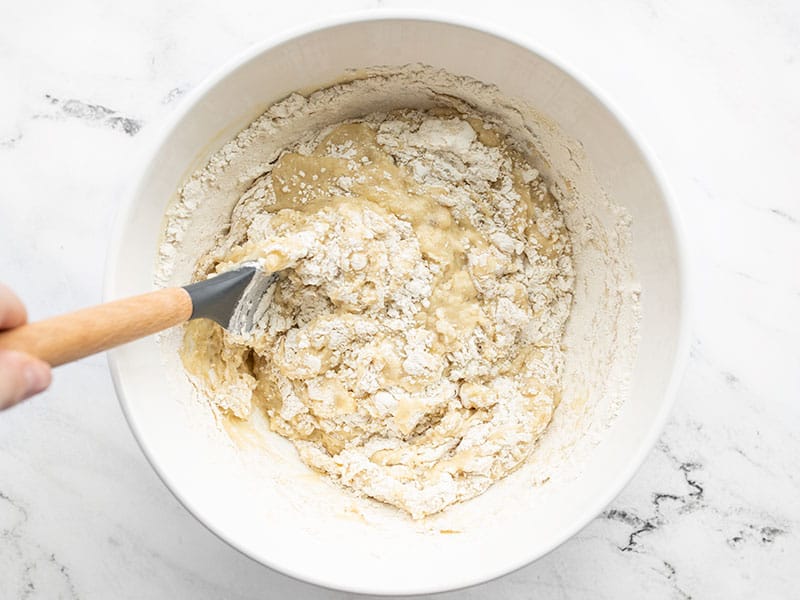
(286, 526)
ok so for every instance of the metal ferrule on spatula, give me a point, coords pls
(235, 299)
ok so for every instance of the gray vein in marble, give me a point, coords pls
(764, 282)
(784, 215)
(44, 568)
(731, 379)
(687, 502)
(766, 533)
(753, 533)
(642, 526)
(687, 468)
(671, 575)
(10, 142)
(92, 113)
(175, 93)
(779, 287)
(12, 532)
(694, 348)
(638, 525)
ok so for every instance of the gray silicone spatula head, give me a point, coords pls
(234, 299)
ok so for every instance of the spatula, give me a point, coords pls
(233, 299)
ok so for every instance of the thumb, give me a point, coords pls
(21, 376)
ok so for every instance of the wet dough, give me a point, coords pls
(411, 349)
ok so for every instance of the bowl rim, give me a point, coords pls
(168, 126)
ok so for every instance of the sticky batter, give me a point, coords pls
(412, 347)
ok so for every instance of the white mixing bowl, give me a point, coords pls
(298, 527)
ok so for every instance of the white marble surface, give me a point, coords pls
(714, 87)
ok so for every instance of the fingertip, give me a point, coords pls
(12, 310)
(37, 376)
(21, 376)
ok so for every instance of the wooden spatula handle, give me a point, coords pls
(68, 337)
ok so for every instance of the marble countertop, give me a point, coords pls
(713, 86)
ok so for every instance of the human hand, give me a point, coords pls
(21, 375)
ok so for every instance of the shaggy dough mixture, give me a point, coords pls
(411, 348)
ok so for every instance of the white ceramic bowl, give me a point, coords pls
(285, 531)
